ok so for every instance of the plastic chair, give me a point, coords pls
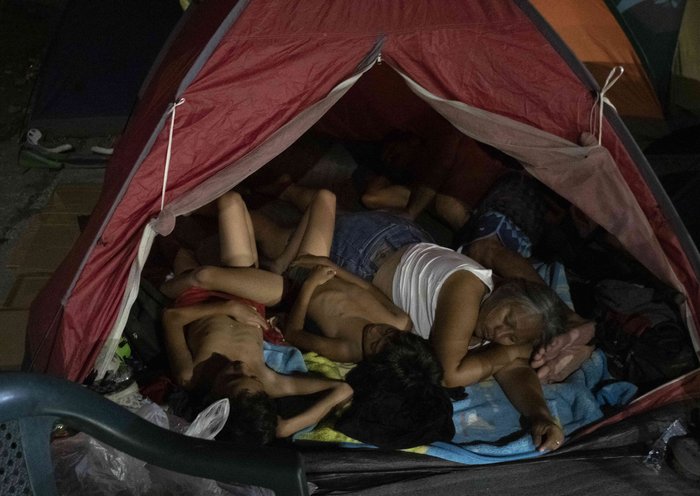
(31, 404)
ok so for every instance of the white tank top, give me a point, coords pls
(419, 276)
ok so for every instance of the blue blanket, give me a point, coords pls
(488, 427)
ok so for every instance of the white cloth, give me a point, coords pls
(419, 276)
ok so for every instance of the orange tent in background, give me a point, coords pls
(593, 33)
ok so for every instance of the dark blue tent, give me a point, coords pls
(96, 63)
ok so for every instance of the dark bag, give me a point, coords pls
(144, 330)
(642, 335)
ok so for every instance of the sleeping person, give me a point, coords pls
(214, 339)
(477, 328)
(354, 319)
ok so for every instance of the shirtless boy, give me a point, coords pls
(215, 343)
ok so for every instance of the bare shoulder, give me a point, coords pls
(463, 285)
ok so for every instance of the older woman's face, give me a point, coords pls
(507, 323)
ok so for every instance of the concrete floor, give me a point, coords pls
(25, 31)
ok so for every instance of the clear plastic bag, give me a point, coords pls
(657, 453)
(86, 466)
(206, 425)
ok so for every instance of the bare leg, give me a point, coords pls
(184, 261)
(271, 237)
(381, 193)
(452, 211)
(299, 196)
(314, 234)
(236, 232)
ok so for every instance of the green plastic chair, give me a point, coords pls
(31, 404)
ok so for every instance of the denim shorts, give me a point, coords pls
(362, 240)
(511, 236)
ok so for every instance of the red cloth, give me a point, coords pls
(195, 295)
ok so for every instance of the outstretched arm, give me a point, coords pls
(175, 320)
(455, 320)
(255, 284)
(294, 332)
(338, 393)
(347, 276)
(522, 387)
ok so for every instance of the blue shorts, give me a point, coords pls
(510, 235)
(362, 240)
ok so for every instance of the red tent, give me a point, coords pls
(243, 80)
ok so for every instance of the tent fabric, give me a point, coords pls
(685, 81)
(592, 31)
(96, 63)
(654, 26)
(253, 76)
(608, 462)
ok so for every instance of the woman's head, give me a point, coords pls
(520, 311)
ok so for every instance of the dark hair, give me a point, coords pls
(406, 362)
(539, 299)
(398, 401)
(252, 420)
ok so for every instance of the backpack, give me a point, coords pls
(144, 330)
(642, 335)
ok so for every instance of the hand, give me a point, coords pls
(321, 274)
(546, 434)
(519, 351)
(245, 314)
(310, 261)
(564, 354)
(183, 378)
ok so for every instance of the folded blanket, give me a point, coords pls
(488, 427)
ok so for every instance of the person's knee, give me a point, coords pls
(324, 199)
(230, 199)
(371, 200)
(452, 210)
(203, 277)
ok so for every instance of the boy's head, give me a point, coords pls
(376, 337)
(252, 420)
(253, 414)
(398, 401)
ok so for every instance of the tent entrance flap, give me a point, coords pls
(212, 189)
(229, 177)
(578, 172)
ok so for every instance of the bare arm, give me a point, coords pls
(255, 284)
(294, 332)
(455, 320)
(522, 387)
(337, 394)
(179, 355)
(175, 320)
(347, 276)
(566, 352)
